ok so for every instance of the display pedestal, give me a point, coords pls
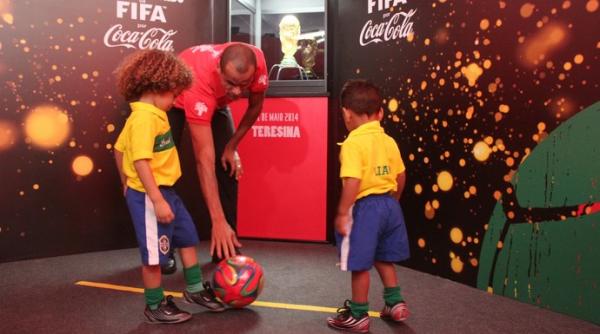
(282, 194)
(279, 68)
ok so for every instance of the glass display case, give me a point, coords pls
(292, 36)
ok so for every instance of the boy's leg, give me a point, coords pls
(354, 316)
(154, 242)
(392, 247)
(357, 250)
(177, 122)
(387, 273)
(395, 308)
(360, 286)
(196, 291)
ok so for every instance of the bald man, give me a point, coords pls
(222, 73)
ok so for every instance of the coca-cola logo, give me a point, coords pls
(153, 38)
(397, 26)
(141, 34)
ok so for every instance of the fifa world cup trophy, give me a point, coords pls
(308, 56)
(289, 30)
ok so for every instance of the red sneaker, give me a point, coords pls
(345, 321)
(398, 312)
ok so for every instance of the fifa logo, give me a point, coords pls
(141, 11)
(383, 4)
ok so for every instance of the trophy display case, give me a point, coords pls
(292, 36)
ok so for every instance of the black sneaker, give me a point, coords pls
(345, 321)
(206, 298)
(170, 267)
(166, 313)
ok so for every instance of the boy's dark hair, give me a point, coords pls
(152, 71)
(361, 96)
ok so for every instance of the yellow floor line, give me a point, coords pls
(258, 303)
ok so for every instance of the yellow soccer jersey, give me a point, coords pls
(373, 157)
(147, 135)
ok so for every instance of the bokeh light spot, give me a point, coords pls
(481, 151)
(392, 106)
(527, 10)
(8, 135)
(542, 44)
(82, 165)
(456, 235)
(47, 127)
(457, 265)
(484, 24)
(472, 72)
(445, 181)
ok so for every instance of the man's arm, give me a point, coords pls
(223, 239)
(255, 104)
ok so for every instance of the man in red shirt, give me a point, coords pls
(222, 73)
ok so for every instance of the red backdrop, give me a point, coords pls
(282, 193)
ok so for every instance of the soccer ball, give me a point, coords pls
(238, 281)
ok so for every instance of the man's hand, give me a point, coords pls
(231, 160)
(223, 240)
(342, 224)
(163, 211)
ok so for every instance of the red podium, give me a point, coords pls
(282, 194)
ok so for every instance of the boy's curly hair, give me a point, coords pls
(153, 71)
(361, 96)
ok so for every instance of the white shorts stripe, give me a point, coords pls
(345, 249)
(151, 233)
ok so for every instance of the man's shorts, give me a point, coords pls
(377, 233)
(156, 239)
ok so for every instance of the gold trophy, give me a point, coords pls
(289, 30)
(309, 52)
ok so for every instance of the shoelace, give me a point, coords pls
(170, 305)
(344, 311)
(209, 289)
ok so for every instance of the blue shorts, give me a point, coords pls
(377, 233)
(156, 239)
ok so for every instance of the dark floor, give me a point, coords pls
(40, 296)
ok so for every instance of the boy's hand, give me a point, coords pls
(342, 224)
(124, 189)
(163, 211)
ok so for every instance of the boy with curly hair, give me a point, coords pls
(148, 165)
(370, 229)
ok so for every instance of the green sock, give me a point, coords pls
(392, 296)
(358, 310)
(193, 278)
(154, 297)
